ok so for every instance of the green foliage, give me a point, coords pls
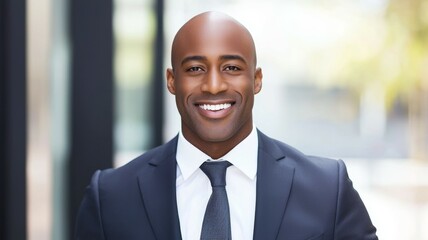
(400, 61)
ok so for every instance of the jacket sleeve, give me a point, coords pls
(89, 223)
(352, 218)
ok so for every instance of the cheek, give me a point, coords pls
(186, 86)
(245, 88)
(247, 92)
(184, 93)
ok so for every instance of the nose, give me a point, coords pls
(214, 83)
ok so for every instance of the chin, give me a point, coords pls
(215, 136)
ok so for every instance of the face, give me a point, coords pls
(214, 80)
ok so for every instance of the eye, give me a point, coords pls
(232, 68)
(195, 69)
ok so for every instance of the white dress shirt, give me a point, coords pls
(194, 187)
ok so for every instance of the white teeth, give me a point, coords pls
(215, 107)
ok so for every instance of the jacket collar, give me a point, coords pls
(274, 180)
(157, 187)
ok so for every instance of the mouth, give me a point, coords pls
(215, 110)
(215, 107)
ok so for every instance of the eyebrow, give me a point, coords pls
(233, 57)
(202, 58)
(193, 58)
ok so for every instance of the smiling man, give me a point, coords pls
(221, 178)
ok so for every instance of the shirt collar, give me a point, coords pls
(243, 156)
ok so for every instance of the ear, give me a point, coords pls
(258, 77)
(170, 80)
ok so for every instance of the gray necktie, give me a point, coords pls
(216, 224)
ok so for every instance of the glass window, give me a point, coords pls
(134, 31)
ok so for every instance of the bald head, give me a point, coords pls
(211, 29)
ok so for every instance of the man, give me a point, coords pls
(272, 191)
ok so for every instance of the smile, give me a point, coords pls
(215, 107)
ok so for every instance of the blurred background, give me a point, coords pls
(82, 87)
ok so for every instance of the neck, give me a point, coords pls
(217, 148)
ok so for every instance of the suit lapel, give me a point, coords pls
(158, 191)
(274, 180)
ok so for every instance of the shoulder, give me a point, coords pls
(295, 158)
(132, 169)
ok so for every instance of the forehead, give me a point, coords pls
(213, 39)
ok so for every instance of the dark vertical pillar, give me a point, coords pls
(2, 124)
(92, 95)
(12, 120)
(159, 76)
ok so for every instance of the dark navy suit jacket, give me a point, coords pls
(299, 197)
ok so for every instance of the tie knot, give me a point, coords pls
(216, 172)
